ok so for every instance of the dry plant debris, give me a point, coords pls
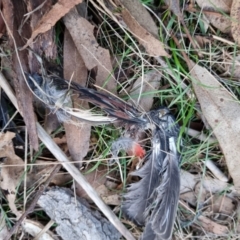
(183, 56)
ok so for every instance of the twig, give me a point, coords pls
(33, 203)
(216, 171)
(61, 157)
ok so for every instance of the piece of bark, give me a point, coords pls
(16, 10)
(74, 218)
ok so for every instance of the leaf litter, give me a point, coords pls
(218, 99)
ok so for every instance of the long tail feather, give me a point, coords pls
(49, 89)
(153, 200)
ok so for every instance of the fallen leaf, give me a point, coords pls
(189, 197)
(152, 45)
(174, 6)
(145, 86)
(213, 227)
(218, 5)
(219, 21)
(222, 112)
(98, 180)
(216, 12)
(10, 175)
(92, 54)
(61, 179)
(139, 12)
(201, 193)
(75, 69)
(222, 204)
(51, 122)
(6, 143)
(61, 140)
(107, 196)
(60, 9)
(235, 16)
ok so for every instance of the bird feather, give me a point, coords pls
(153, 200)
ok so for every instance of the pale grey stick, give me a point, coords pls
(61, 157)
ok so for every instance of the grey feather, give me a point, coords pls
(153, 200)
(163, 209)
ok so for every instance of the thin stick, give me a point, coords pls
(61, 157)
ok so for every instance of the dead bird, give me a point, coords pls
(152, 201)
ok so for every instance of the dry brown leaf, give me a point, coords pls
(222, 112)
(152, 45)
(74, 69)
(60, 140)
(60, 9)
(219, 21)
(174, 6)
(107, 196)
(201, 193)
(146, 86)
(218, 5)
(189, 197)
(95, 178)
(213, 227)
(139, 12)
(51, 122)
(5, 143)
(213, 12)
(61, 179)
(98, 180)
(92, 54)
(10, 175)
(78, 140)
(235, 16)
(222, 204)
